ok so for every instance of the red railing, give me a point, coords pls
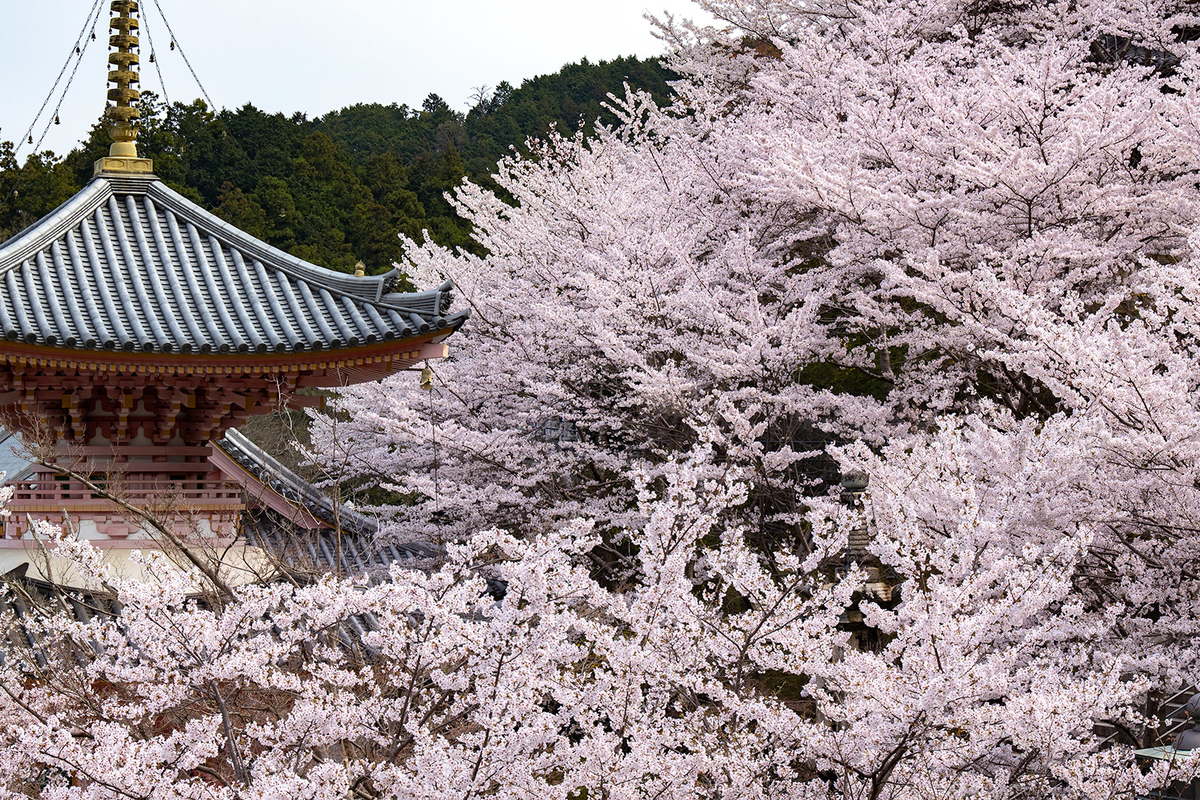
(50, 489)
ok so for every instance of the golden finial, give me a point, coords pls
(360, 270)
(123, 115)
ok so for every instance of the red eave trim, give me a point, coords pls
(411, 349)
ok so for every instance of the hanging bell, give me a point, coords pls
(172, 44)
(57, 121)
(152, 58)
(78, 52)
(427, 379)
(93, 36)
(31, 138)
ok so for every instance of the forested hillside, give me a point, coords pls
(336, 189)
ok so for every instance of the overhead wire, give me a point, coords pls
(80, 49)
(154, 60)
(175, 43)
(77, 52)
(67, 88)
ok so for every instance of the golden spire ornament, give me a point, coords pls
(123, 115)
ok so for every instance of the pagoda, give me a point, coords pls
(137, 329)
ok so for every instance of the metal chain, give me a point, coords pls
(175, 41)
(154, 59)
(54, 119)
(81, 44)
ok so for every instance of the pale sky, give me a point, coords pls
(315, 57)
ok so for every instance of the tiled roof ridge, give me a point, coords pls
(332, 280)
(335, 282)
(41, 233)
(274, 475)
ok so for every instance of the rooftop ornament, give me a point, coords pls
(123, 115)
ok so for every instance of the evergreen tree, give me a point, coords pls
(342, 188)
(31, 191)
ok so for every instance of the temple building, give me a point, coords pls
(137, 331)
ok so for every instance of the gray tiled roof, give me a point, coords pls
(349, 543)
(275, 476)
(38, 597)
(128, 264)
(326, 550)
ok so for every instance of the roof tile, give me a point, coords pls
(129, 264)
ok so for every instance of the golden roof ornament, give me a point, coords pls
(123, 115)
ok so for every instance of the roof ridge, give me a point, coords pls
(129, 184)
(41, 233)
(286, 262)
(270, 468)
(297, 267)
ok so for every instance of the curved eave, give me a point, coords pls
(52, 358)
(293, 490)
(259, 492)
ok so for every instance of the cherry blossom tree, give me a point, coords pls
(946, 244)
(959, 234)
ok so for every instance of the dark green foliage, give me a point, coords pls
(571, 98)
(501, 119)
(341, 188)
(242, 211)
(30, 192)
(843, 380)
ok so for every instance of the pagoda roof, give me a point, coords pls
(130, 265)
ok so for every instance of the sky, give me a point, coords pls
(301, 55)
